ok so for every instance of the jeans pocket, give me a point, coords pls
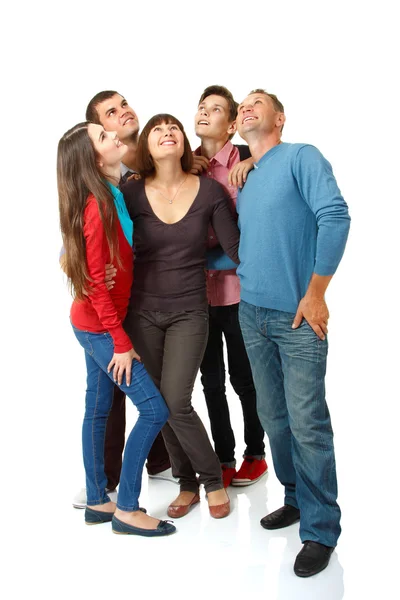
(83, 338)
(109, 339)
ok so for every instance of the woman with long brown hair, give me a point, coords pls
(168, 316)
(96, 230)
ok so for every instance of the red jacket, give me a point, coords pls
(104, 310)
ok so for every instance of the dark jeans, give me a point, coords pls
(224, 321)
(157, 460)
(153, 413)
(171, 346)
(289, 374)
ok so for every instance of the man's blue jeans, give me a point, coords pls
(288, 368)
(153, 414)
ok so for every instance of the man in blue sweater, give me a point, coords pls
(294, 225)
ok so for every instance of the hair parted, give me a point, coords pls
(144, 160)
(78, 176)
(91, 111)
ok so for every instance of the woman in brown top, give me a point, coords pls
(168, 317)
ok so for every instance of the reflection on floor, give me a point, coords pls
(234, 555)
(231, 558)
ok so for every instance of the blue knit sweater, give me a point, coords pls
(293, 222)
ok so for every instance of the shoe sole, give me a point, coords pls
(304, 575)
(141, 535)
(245, 482)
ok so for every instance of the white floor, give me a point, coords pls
(234, 556)
(52, 554)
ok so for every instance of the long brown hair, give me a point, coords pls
(78, 176)
(144, 160)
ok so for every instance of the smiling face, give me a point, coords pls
(108, 147)
(257, 115)
(164, 140)
(115, 114)
(212, 119)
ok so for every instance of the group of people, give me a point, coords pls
(169, 251)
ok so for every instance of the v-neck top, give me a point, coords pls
(170, 258)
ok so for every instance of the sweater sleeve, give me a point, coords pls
(97, 255)
(224, 223)
(218, 260)
(320, 191)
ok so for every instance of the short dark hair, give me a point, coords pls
(220, 90)
(144, 161)
(91, 112)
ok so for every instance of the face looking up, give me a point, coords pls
(256, 114)
(108, 147)
(165, 139)
(115, 114)
(212, 119)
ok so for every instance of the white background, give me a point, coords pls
(334, 65)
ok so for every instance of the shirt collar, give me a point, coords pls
(125, 170)
(222, 156)
(114, 190)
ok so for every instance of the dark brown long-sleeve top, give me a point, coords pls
(170, 258)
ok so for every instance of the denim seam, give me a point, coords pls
(319, 356)
(93, 442)
(147, 434)
(91, 352)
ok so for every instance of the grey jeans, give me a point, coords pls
(171, 346)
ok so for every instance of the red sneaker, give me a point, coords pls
(228, 473)
(252, 470)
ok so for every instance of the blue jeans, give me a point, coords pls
(153, 414)
(288, 368)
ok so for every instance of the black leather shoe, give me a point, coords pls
(312, 559)
(283, 517)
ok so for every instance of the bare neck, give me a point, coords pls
(210, 147)
(260, 145)
(130, 155)
(113, 174)
(168, 173)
